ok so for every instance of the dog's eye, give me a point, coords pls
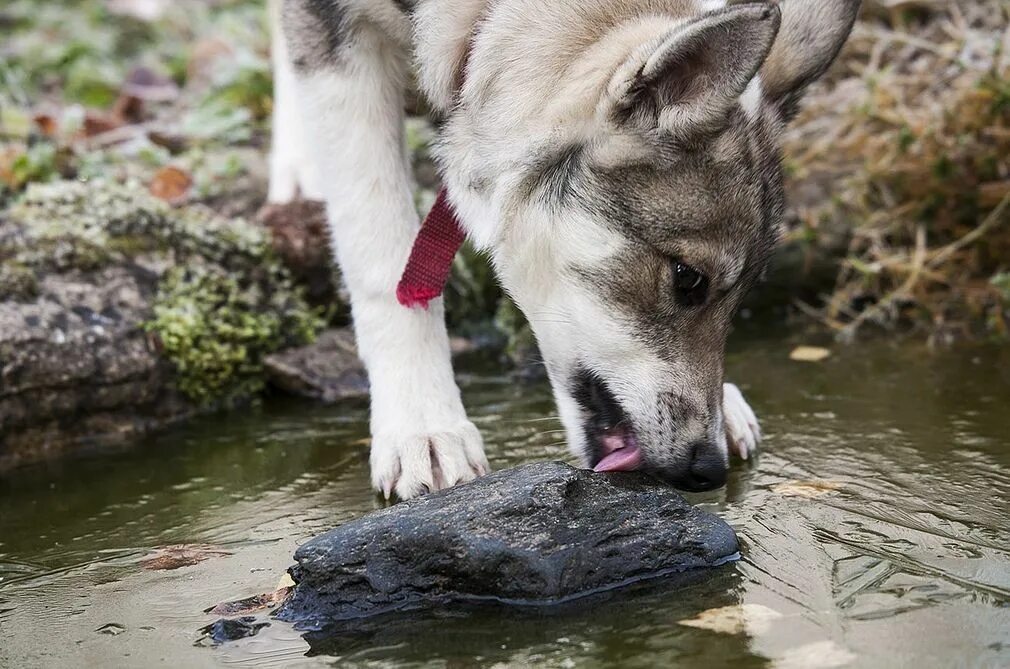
(690, 285)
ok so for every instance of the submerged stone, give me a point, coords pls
(231, 629)
(536, 534)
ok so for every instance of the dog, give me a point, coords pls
(617, 159)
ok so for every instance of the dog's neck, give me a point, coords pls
(536, 74)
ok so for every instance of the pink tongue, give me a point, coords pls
(623, 454)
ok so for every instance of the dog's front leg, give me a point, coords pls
(352, 97)
(743, 433)
(292, 170)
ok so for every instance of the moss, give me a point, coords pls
(69, 224)
(225, 304)
(17, 282)
(217, 329)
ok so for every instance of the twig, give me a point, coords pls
(848, 332)
(995, 217)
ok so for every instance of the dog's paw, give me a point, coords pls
(743, 434)
(412, 465)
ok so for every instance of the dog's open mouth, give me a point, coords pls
(612, 440)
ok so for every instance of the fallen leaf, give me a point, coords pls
(174, 142)
(183, 555)
(817, 655)
(47, 124)
(171, 184)
(257, 603)
(809, 354)
(128, 109)
(98, 123)
(754, 619)
(810, 488)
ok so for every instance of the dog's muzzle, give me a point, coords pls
(614, 443)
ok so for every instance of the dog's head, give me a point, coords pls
(630, 194)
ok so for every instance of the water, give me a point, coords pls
(875, 527)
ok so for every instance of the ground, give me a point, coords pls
(899, 168)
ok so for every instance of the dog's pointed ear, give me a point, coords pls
(688, 79)
(812, 34)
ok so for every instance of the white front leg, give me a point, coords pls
(292, 170)
(421, 437)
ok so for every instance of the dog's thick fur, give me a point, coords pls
(618, 160)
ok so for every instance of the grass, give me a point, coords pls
(909, 142)
(899, 164)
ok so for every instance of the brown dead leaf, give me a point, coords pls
(752, 619)
(47, 124)
(810, 488)
(182, 555)
(174, 142)
(98, 123)
(128, 109)
(249, 605)
(171, 184)
(809, 354)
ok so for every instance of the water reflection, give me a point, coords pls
(895, 552)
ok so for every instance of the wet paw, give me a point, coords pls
(743, 434)
(413, 465)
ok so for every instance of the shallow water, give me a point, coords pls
(900, 557)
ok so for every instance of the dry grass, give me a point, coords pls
(907, 149)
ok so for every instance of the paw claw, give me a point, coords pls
(415, 465)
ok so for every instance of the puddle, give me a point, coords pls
(875, 527)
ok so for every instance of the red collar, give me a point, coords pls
(430, 261)
(437, 242)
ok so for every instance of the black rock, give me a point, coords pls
(536, 534)
(231, 629)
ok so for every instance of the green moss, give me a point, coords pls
(217, 329)
(70, 224)
(223, 303)
(17, 282)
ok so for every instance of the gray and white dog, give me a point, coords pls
(617, 159)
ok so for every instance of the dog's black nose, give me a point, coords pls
(707, 469)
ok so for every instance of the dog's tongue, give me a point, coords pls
(621, 453)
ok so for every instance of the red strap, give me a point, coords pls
(430, 261)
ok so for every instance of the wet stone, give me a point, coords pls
(231, 629)
(327, 369)
(536, 534)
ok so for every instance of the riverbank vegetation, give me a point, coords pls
(899, 164)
